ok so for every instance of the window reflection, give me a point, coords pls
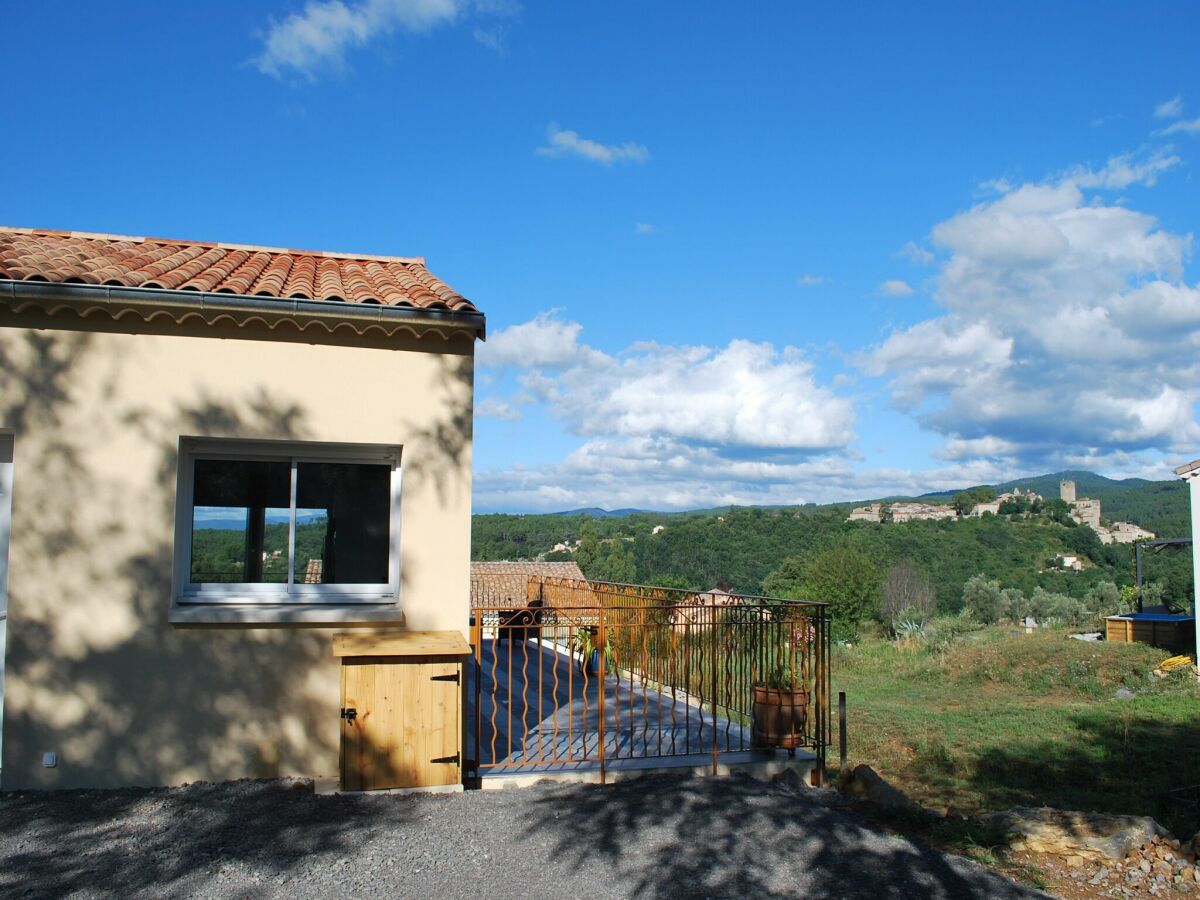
(347, 510)
(240, 521)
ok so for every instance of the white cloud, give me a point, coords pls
(663, 474)
(561, 142)
(494, 408)
(652, 473)
(325, 30)
(1183, 126)
(1169, 109)
(918, 254)
(742, 395)
(493, 38)
(975, 448)
(1068, 330)
(807, 280)
(894, 287)
(667, 425)
(545, 341)
(996, 186)
(644, 228)
(1122, 171)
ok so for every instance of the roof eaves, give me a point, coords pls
(327, 310)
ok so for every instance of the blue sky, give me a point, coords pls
(729, 253)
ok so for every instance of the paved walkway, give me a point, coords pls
(654, 837)
(540, 713)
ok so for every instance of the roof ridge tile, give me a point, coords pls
(245, 269)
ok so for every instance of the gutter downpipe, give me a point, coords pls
(161, 299)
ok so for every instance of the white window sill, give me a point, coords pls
(284, 614)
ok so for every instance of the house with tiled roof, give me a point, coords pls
(503, 582)
(229, 474)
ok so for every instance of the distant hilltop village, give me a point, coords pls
(1084, 511)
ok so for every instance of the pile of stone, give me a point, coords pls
(1116, 856)
(1158, 868)
(1087, 854)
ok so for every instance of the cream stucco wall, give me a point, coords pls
(94, 670)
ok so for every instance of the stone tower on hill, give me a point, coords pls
(1066, 491)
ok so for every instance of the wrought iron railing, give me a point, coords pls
(578, 674)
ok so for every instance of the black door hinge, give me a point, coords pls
(446, 759)
(350, 714)
(453, 678)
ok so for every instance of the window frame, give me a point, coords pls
(186, 592)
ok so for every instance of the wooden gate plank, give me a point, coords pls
(404, 721)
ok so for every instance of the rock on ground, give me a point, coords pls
(1080, 833)
(864, 783)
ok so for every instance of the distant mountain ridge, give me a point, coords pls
(598, 513)
(1087, 484)
(1161, 506)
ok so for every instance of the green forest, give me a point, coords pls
(789, 551)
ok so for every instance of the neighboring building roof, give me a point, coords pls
(1188, 468)
(73, 257)
(502, 581)
(549, 569)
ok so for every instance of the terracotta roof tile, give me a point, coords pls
(497, 583)
(71, 257)
(300, 279)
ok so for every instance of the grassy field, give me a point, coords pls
(995, 719)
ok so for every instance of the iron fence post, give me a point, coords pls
(601, 690)
(842, 750)
(712, 635)
(477, 641)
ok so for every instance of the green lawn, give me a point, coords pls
(1000, 719)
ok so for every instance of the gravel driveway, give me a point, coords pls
(660, 836)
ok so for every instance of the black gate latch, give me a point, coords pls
(446, 759)
(350, 714)
(453, 678)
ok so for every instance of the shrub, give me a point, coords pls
(1014, 604)
(1048, 606)
(945, 631)
(984, 600)
(843, 576)
(1104, 599)
(907, 596)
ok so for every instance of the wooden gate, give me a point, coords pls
(401, 709)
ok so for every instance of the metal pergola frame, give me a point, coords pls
(1157, 546)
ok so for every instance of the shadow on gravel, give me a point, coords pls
(734, 837)
(156, 841)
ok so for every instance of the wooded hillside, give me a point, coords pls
(739, 548)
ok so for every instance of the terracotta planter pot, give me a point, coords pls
(779, 715)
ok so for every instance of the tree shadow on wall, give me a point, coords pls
(445, 444)
(95, 671)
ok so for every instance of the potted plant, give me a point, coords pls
(780, 709)
(588, 639)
